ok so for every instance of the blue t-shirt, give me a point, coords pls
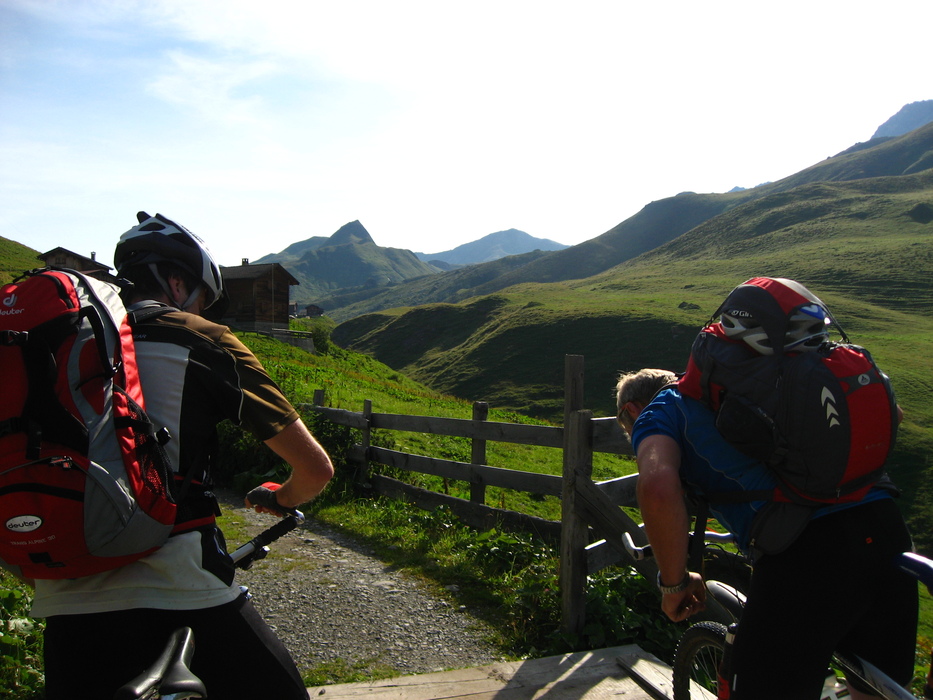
(710, 465)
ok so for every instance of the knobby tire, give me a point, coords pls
(697, 658)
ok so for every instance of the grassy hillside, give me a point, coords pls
(856, 244)
(15, 258)
(859, 245)
(883, 157)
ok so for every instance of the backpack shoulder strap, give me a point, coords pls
(147, 310)
(697, 542)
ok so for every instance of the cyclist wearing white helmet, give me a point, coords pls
(807, 329)
(158, 248)
(834, 586)
(194, 374)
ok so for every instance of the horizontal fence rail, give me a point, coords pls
(530, 482)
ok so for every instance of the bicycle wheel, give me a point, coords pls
(697, 659)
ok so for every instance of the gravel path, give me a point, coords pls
(329, 598)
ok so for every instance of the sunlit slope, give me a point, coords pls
(865, 239)
(15, 258)
(865, 247)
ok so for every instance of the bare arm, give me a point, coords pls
(667, 523)
(311, 467)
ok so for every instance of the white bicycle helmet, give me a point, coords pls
(807, 329)
(159, 239)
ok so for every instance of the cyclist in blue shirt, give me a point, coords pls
(833, 587)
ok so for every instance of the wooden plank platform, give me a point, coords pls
(624, 671)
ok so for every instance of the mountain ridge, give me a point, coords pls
(492, 247)
(909, 117)
(656, 224)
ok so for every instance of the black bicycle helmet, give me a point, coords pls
(159, 239)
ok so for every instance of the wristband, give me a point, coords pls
(679, 588)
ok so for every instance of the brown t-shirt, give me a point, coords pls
(195, 374)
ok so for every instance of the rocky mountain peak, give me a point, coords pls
(353, 232)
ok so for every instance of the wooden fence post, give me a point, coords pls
(478, 453)
(578, 463)
(573, 385)
(366, 437)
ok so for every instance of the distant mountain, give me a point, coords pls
(349, 259)
(910, 117)
(492, 247)
(452, 286)
(354, 232)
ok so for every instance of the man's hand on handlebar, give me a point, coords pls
(263, 500)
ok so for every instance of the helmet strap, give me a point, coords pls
(186, 304)
(153, 268)
(191, 298)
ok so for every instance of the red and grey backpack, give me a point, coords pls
(820, 414)
(85, 485)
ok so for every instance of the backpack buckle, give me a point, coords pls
(14, 337)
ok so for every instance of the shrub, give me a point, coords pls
(20, 642)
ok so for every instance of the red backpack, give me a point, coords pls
(85, 485)
(824, 420)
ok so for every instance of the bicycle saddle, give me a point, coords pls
(169, 676)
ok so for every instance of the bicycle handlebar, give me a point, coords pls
(635, 552)
(641, 553)
(244, 556)
(919, 567)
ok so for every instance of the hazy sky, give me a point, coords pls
(258, 123)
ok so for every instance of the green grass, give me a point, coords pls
(15, 258)
(510, 580)
(496, 571)
(342, 671)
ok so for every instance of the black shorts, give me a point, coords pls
(236, 654)
(835, 588)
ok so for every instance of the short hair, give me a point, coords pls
(144, 284)
(641, 386)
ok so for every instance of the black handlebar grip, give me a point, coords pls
(283, 527)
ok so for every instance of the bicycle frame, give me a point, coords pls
(874, 677)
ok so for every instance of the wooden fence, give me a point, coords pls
(590, 532)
